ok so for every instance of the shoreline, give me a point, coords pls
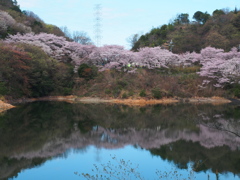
(131, 102)
(5, 106)
(144, 102)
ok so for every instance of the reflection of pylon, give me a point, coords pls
(97, 25)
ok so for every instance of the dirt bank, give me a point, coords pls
(132, 102)
(139, 101)
(5, 106)
(143, 102)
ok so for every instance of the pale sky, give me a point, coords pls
(119, 18)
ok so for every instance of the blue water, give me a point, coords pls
(60, 141)
(78, 162)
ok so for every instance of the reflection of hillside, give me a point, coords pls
(31, 134)
(10, 167)
(222, 121)
(145, 138)
(219, 159)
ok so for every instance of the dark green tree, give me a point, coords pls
(235, 10)
(9, 4)
(218, 12)
(182, 18)
(236, 21)
(201, 17)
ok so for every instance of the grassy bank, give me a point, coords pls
(144, 87)
(147, 84)
(155, 86)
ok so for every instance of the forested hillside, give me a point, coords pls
(37, 59)
(221, 29)
(13, 20)
(25, 70)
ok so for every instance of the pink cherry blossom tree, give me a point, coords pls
(7, 22)
(220, 67)
(217, 66)
(55, 46)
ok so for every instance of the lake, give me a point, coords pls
(60, 140)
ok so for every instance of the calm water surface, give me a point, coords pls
(59, 141)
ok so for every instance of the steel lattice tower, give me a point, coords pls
(98, 25)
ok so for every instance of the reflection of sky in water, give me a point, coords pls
(82, 162)
(178, 133)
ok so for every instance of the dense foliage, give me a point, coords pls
(13, 69)
(220, 30)
(13, 21)
(26, 71)
(87, 72)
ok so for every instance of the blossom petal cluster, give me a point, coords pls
(7, 22)
(220, 67)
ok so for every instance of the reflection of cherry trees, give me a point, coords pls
(218, 122)
(118, 138)
(144, 138)
(112, 128)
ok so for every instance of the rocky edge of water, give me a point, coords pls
(134, 102)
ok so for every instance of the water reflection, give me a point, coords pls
(34, 133)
